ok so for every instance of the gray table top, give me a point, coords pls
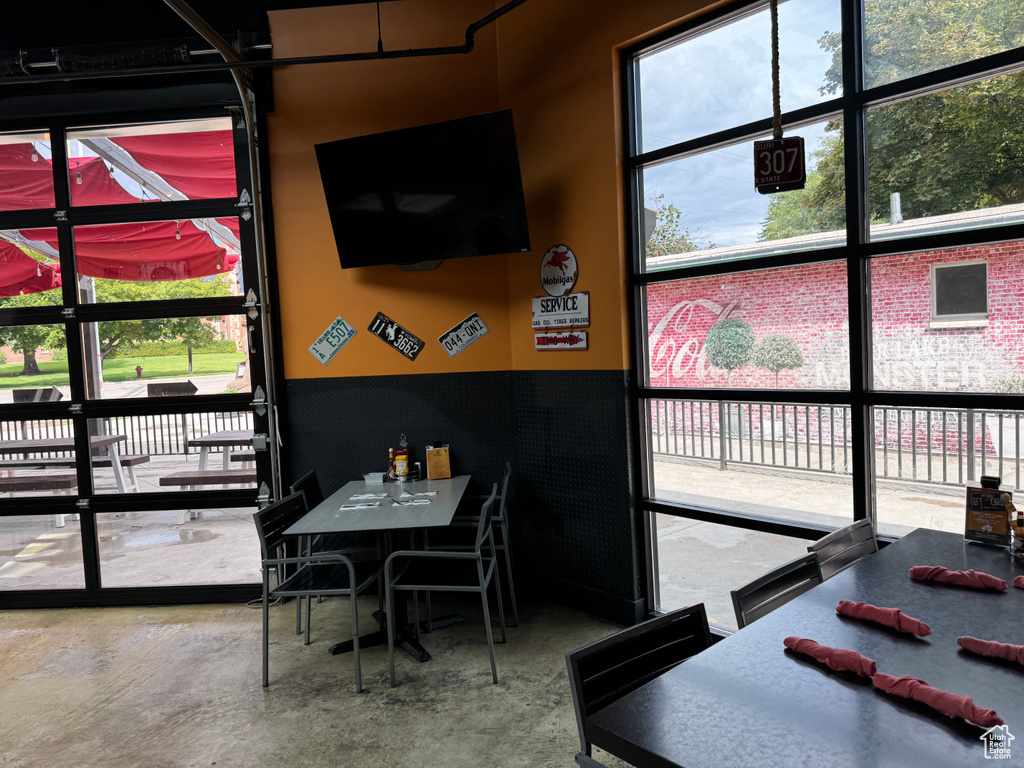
(56, 444)
(748, 702)
(227, 438)
(328, 517)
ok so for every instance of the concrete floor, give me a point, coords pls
(180, 686)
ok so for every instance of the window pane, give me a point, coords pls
(166, 357)
(925, 459)
(704, 207)
(905, 38)
(152, 449)
(144, 549)
(37, 456)
(776, 328)
(37, 554)
(33, 358)
(702, 562)
(915, 352)
(953, 158)
(29, 273)
(26, 174)
(805, 450)
(191, 160)
(721, 78)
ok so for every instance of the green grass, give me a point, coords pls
(56, 372)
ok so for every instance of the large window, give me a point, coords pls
(848, 350)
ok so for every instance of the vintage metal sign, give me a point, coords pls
(337, 335)
(562, 340)
(779, 165)
(395, 336)
(559, 271)
(570, 311)
(462, 335)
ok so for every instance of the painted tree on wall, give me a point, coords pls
(776, 352)
(729, 344)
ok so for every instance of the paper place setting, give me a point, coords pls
(409, 495)
(410, 503)
(369, 496)
(365, 505)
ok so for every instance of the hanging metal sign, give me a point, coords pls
(462, 335)
(569, 311)
(575, 340)
(337, 335)
(395, 336)
(559, 271)
(779, 165)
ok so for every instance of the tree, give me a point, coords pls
(667, 238)
(28, 338)
(729, 344)
(944, 152)
(776, 352)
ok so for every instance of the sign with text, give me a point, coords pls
(558, 271)
(567, 311)
(463, 334)
(575, 340)
(337, 335)
(395, 336)
(779, 165)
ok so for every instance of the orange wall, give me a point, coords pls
(555, 64)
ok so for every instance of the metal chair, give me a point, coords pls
(315, 573)
(502, 545)
(347, 543)
(777, 587)
(608, 669)
(418, 570)
(841, 549)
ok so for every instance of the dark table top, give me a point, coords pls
(748, 702)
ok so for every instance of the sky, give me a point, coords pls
(719, 80)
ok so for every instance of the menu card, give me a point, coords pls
(986, 519)
(438, 465)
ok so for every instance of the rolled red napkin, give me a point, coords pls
(949, 704)
(890, 617)
(972, 578)
(992, 648)
(1019, 582)
(839, 659)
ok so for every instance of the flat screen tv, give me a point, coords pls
(437, 191)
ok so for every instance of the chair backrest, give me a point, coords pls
(608, 669)
(777, 587)
(483, 526)
(841, 549)
(274, 519)
(503, 496)
(310, 486)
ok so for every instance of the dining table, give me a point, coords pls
(747, 701)
(225, 439)
(109, 444)
(384, 509)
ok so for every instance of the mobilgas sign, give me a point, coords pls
(558, 271)
(395, 336)
(570, 311)
(463, 334)
(337, 335)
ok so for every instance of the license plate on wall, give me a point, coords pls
(463, 334)
(395, 336)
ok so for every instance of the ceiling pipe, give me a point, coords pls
(237, 62)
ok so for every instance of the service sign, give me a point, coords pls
(395, 336)
(337, 335)
(463, 334)
(576, 340)
(559, 271)
(570, 311)
(779, 165)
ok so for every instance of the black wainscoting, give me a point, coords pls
(566, 432)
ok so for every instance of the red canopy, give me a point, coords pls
(200, 165)
(20, 273)
(24, 184)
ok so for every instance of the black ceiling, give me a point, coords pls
(94, 23)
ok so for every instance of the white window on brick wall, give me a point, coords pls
(959, 292)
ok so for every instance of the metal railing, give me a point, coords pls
(946, 446)
(157, 435)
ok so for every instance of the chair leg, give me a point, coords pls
(266, 627)
(487, 621)
(508, 570)
(298, 615)
(309, 615)
(390, 627)
(355, 641)
(501, 608)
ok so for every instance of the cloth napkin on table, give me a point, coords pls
(992, 648)
(949, 704)
(1019, 582)
(839, 659)
(890, 617)
(971, 578)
